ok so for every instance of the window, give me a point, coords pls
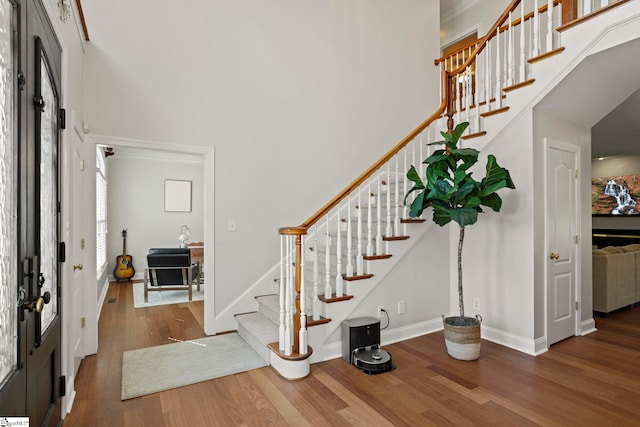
(101, 213)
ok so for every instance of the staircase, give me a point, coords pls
(339, 255)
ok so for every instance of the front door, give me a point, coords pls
(30, 382)
(562, 226)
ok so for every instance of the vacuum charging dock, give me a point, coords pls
(361, 345)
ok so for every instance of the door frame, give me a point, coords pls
(576, 150)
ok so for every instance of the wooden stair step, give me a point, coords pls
(519, 85)
(321, 321)
(545, 55)
(334, 298)
(412, 220)
(361, 277)
(377, 257)
(393, 238)
(494, 112)
(474, 135)
(275, 347)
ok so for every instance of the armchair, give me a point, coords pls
(170, 269)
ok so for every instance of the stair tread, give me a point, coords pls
(260, 326)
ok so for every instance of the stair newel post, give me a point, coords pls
(327, 260)
(300, 321)
(339, 279)
(349, 267)
(370, 199)
(281, 292)
(379, 216)
(359, 258)
(549, 25)
(316, 300)
(287, 300)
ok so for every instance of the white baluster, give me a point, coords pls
(396, 219)
(316, 299)
(359, 257)
(498, 71)
(339, 283)
(510, 50)
(287, 302)
(587, 7)
(349, 268)
(405, 187)
(292, 294)
(379, 216)
(302, 335)
(487, 77)
(389, 230)
(604, 3)
(523, 61)
(281, 294)
(467, 90)
(369, 221)
(327, 262)
(549, 25)
(536, 31)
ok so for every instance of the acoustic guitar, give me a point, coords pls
(124, 263)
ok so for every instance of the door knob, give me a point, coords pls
(38, 304)
(77, 267)
(554, 255)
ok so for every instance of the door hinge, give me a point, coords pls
(62, 252)
(577, 239)
(577, 173)
(21, 80)
(63, 385)
(62, 118)
(83, 322)
(577, 306)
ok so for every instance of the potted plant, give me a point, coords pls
(454, 195)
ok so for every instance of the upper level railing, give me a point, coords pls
(357, 224)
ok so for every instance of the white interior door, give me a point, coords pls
(561, 237)
(77, 250)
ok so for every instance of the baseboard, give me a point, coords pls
(71, 398)
(103, 296)
(516, 342)
(588, 326)
(334, 350)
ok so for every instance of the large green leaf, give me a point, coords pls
(417, 206)
(412, 175)
(464, 216)
(494, 201)
(462, 192)
(441, 215)
(443, 187)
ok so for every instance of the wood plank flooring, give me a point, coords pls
(583, 381)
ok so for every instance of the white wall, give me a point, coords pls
(136, 202)
(498, 250)
(550, 126)
(478, 16)
(297, 99)
(616, 166)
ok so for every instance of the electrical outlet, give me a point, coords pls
(476, 303)
(402, 307)
(380, 309)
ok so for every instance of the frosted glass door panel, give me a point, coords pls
(8, 212)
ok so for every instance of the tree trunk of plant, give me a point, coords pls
(460, 296)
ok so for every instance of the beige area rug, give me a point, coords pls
(163, 367)
(164, 297)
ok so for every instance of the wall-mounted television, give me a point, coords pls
(616, 195)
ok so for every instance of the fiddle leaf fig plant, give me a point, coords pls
(450, 189)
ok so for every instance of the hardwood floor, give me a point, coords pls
(583, 381)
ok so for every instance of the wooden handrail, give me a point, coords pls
(490, 34)
(366, 174)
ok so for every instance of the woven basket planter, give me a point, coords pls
(462, 337)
